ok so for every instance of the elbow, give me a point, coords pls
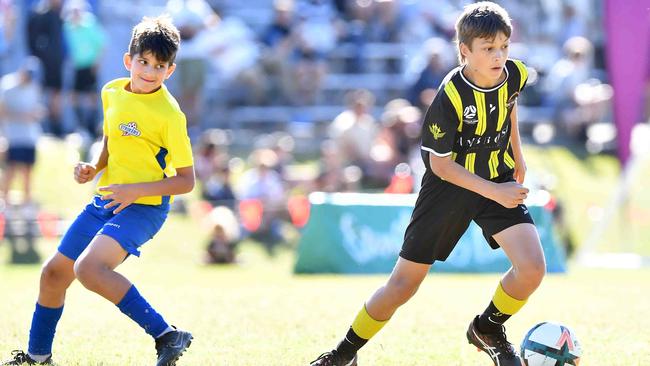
(189, 185)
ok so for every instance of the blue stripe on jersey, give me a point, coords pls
(160, 158)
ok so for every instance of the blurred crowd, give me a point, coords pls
(334, 91)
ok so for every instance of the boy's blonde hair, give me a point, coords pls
(156, 35)
(481, 20)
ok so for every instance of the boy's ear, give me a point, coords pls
(464, 50)
(170, 70)
(127, 61)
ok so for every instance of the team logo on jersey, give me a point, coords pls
(436, 132)
(130, 129)
(512, 100)
(469, 115)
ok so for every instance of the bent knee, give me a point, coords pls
(533, 272)
(55, 274)
(86, 272)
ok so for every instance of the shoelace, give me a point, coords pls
(502, 343)
(19, 356)
(327, 356)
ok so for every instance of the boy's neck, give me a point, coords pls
(127, 87)
(475, 78)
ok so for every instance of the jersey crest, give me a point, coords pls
(130, 129)
(436, 132)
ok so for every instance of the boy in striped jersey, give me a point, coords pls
(475, 171)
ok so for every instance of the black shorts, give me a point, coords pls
(21, 155)
(52, 75)
(442, 213)
(85, 80)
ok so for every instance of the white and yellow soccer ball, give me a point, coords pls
(551, 344)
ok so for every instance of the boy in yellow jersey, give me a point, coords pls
(146, 158)
(475, 171)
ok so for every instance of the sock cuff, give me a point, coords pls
(130, 295)
(506, 303)
(49, 311)
(365, 326)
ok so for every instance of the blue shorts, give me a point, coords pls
(131, 227)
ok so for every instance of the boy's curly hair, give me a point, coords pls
(156, 35)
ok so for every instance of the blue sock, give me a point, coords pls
(41, 334)
(138, 309)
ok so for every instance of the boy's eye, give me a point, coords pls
(143, 62)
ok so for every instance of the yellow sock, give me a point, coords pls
(505, 303)
(365, 326)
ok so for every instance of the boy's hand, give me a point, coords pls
(84, 172)
(122, 195)
(509, 194)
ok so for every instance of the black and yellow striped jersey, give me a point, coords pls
(472, 124)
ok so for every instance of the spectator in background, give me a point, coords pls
(7, 29)
(234, 55)
(421, 93)
(263, 184)
(330, 169)
(358, 16)
(224, 236)
(85, 38)
(45, 41)
(387, 22)
(399, 133)
(573, 25)
(278, 45)
(316, 35)
(355, 129)
(192, 17)
(21, 111)
(564, 77)
(211, 166)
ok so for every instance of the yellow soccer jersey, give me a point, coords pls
(147, 137)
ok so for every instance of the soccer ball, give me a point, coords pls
(550, 344)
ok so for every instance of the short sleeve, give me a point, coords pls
(178, 146)
(440, 124)
(523, 74)
(104, 109)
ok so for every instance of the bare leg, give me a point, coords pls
(56, 277)
(8, 178)
(27, 182)
(403, 283)
(522, 246)
(95, 268)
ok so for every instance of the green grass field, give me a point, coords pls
(259, 313)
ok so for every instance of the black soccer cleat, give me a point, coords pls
(334, 358)
(496, 345)
(171, 346)
(19, 357)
